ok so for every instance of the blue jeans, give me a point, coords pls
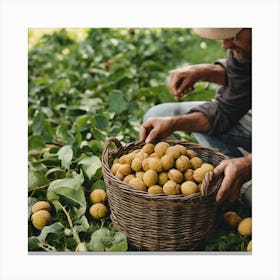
(228, 143)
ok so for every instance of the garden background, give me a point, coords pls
(84, 86)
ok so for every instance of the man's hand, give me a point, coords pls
(236, 172)
(182, 81)
(160, 127)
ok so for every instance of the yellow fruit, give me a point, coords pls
(182, 163)
(249, 246)
(150, 178)
(155, 164)
(188, 175)
(162, 178)
(156, 189)
(160, 148)
(98, 195)
(167, 162)
(145, 164)
(141, 155)
(124, 169)
(232, 219)
(195, 162)
(139, 174)
(115, 168)
(199, 186)
(41, 205)
(191, 153)
(148, 148)
(199, 174)
(119, 175)
(171, 188)
(183, 150)
(127, 178)
(125, 159)
(137, 184)
(207, 166)
(174, 151)
(98, 211)
(40, 219)
(175, 175)
(136, 164)
(245, 227)
(189, 187)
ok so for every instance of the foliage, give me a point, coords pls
(79, 94)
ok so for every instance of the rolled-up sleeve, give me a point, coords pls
(232, 100)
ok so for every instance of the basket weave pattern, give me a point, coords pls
(161, 222)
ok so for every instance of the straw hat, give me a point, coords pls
(217, 33)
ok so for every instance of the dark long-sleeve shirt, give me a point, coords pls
(233, 100)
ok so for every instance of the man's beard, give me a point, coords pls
(242, 57)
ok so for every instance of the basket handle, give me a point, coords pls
(206, 182)
(107, 146)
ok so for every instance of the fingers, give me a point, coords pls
(229, 189)
(144, 130)
(148, 132)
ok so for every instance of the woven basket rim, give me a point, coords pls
(127, 188)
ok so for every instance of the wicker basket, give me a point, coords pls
(162, 222)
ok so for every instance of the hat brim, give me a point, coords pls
(217, 33)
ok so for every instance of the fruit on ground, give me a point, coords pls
(245, 227)
(232, 219)
(189, 187)
(249, 246)
(41, 205)
(40, 219)
(98, 195)
(98, 211)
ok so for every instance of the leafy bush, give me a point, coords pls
(81, 93)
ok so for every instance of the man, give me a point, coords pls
(224, 123)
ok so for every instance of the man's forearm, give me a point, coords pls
(213, 73)
(193, 122)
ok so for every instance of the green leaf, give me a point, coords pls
(65, 154)
(99, 184)
(99, 239)
(36, 142)
(36, 178)
(119, 242)
(51, 232)
(116, 101)
(68, 190)
(90, 166)
(33, 244)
